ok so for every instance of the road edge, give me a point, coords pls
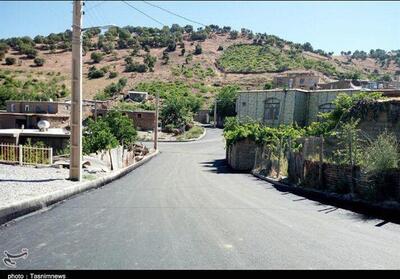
(391, 213)
(19, 209)
(188, 140)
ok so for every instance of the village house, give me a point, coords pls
(142, 119)
(286, 106)
(301, 80)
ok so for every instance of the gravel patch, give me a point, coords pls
(24, 182)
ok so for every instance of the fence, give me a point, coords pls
(25, 155)
(315, 163)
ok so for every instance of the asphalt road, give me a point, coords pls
(184, 210)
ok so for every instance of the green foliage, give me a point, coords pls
(95, 73)
(98, 136)
(125, 106)
(198, 49)
(226, 100)
(39, 61)
(381, 154)
(175, 112)
(113, 75)
(192, 133)
(96, 56)
(195, 71)
(150, 61)
(235, 131)
(121, 127)
(266, 58)
(31, 90)
(10, 60)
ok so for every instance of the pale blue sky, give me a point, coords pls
(331, 26)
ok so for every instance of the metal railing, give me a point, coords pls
(25, 155)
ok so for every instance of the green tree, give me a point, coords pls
(226, 101)
(121, 127)
(175, 112)
(10, 60)
(150, 61)
(96, 56)
(198, 49)
(98, 136)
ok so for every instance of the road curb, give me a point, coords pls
(188, 140)
(19, 209)
(391, 213)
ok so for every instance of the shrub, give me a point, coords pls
(198, 50)
(98, 136)
(150, 61)
(381, 154)
(39, 61)
(226, 101)
(97, 56)
(113, 75)
(10, 60)
(95, 73)
(121, 127)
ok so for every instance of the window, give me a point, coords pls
(302, 81)
(12, 107)
(139, 115)
(243, 104)
(328, 107)
(271, 109)
(26, 108)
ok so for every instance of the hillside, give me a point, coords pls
(227, 57)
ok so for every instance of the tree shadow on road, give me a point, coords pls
(219, 166)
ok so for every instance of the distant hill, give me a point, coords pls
(204, 59)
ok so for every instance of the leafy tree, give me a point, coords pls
(150, 61)
(39, 61)
(233, 35)
(307, 47)
(175, 112)
(97, 56)
(188, 28)
(226, 101)
(121, 127)
(98, 136)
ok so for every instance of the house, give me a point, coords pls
(29, 113)
(279, 106)
(340, 84)
(301, 80)
(137, 96)
(142, 119)
(202, 116)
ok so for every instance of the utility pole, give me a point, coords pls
(156, 123)
(215, 113)
(75, 169)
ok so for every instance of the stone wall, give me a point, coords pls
(241, 155)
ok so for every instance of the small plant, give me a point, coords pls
(97, 57)
(198, 49)
(113, 75)
(39, 62)
(10, 60)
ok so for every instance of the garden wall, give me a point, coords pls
(241, 155)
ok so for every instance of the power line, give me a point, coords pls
(152, 18)
(175, 14)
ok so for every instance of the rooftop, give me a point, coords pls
(34, 132)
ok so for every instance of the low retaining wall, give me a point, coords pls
(241, 155)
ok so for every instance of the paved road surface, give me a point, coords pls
(184, 210)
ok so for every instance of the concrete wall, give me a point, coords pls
(296, 105)
(241, 155)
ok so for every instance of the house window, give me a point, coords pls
(26, 108)
(243, 104)
(302, 81)
(12, 107)
(139, 115)
(328, 107)
(271, 109)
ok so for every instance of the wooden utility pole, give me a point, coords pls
(75, 169)
(215, 113)
(156, 123)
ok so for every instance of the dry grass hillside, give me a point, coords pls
(58, 64)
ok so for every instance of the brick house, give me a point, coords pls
(301, 80)
(142, 119)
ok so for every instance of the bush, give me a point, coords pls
(95, 73)
(382, 154)
(175, 112)
(10, 60)
(150, 61)
(226, 101)
(39, 61)
(98, 136)
(198, 50)
(136, 67)
(121, 127)
(113, 75)
(97, 57)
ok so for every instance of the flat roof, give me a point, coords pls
(303, 90)
(52, 132)
(33, 114)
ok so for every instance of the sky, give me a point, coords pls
(331, 26)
